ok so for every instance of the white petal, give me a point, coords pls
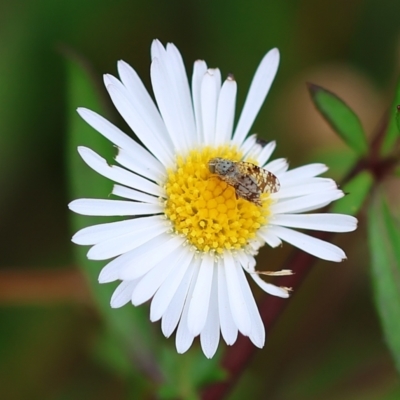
(118, 174)
(266, 153)
(111, 271)
(277, 167)
(134, 163)
(184, 338)
(209, 99)
(119, 138)
(157, 49)
(314, 185)
(122, 294)
(217, 74)
(303, 203)
(268, 287)
(179, 79)
(153, 279)
(225, 111)
(309, 244)
(229, 330)
(255, 244)
(248, 264)
(106, 207)
(247, 261)
(122, 243)
(269, 238)
(177, 91)
(144, 104)
(209, 337)
(133, 194)
(199, 69)
(313, 208)
(101, 232)
(145, 262)
(239, 310)
(248, 144)
(199, 302)
(254, 152)
(171, 316)
(259, 88)
(167, 103)
(166, 292)
(124, 102)
(303, 173)
(257, 335)
(320, 222)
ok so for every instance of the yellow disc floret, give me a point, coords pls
(206, 209)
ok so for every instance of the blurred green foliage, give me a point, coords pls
(384, 238)
(329, 343)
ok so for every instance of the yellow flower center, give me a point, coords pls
(206, 209)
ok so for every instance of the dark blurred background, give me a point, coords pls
(328, 343)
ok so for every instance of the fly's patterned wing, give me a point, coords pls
(266, 181)
(248, 180)
(247, 188)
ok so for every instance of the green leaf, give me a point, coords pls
(342, 119)
(384, 242)
(130, 325)
(393, 129)
(356, 191)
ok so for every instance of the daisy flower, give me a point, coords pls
(189, 240)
